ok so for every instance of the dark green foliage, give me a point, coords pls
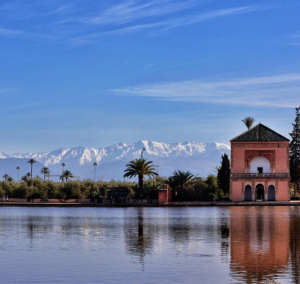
(180, 182)
(31, 162)
(140, 168)
(45, 171)
(21, 191)
(190, 188)
(248, 121)
(37, 188)
(223, 174)
(66, 175)
(295, 152)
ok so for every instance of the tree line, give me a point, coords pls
(184, 185)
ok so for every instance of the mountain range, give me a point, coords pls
(198, 158)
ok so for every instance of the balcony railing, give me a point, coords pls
(256, 175)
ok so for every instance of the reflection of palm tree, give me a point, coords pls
(248, 121)
(138, 237)
(45, 171)
(140, 168)
(31, 162)
(95, 165)
(17, 168)
(67, 174)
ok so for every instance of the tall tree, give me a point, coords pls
(5, 176)
(95, 165)
(45, 171)
(223, 174)
(31, 162)
(63, 167)
(140, 168)
(17, 168)
(295, 152)
(179, 179)
(67, 174)
(248, 121)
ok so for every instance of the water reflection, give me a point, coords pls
(295, 243)
(259, 242)
(225, 239)
(138, 236)
(166, 245)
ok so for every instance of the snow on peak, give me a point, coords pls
(171, 156)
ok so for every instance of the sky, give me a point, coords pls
(94, 73)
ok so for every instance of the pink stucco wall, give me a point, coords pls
(283, 191)
(237, 191)
(238, 154)
(280, 164)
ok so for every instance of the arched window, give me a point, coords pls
(260, 192)
(260, 165)
(271, 193)
(248, 193)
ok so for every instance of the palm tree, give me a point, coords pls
(140, 168)
(45, 171)
(63, 167)
(5, 176)
(180, 179)
(31, 162)
(10, 179)
(24, 178)
(95, 165)
(17, 168)
(67, 174)
(248, 121)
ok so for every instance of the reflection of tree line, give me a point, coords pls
(295, 243)
(89, 230)
(260, 242)
(141, 233)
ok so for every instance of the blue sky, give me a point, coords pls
(94, 73)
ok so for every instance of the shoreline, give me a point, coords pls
(137, 204)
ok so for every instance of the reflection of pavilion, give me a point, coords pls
(259, 242)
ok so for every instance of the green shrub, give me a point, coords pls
(212, 197)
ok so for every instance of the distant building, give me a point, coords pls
(260, 166)
(117, 192)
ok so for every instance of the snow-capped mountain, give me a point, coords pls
(199, 158)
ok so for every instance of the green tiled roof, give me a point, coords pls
(259, 133)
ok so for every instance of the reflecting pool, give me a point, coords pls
(150, 245)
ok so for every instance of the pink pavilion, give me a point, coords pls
(260, 166)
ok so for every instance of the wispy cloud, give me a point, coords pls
(23, 34)
(130, 11)
(273, 91)
(170, 24)
(72, 22)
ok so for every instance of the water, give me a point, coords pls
(150, 245)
